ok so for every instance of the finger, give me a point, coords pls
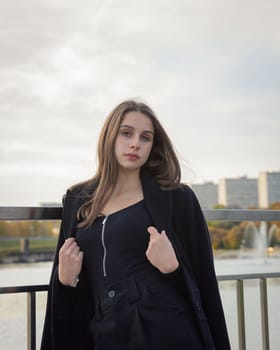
(152, 231)
(68, 242)
(164, 236)
(81, 255)
(69, 248)
(76, 250)
(73, 249)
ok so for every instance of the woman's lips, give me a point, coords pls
(132, 156)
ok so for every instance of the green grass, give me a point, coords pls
(35, 245)
(6, 246)
(42, 245)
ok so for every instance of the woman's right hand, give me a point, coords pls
(70, 262)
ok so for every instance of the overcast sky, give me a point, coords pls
(209, 69)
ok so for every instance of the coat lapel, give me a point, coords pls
(71, 204)
(158, 202)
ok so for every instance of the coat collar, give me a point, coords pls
(157, 202)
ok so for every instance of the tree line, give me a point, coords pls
(230, 235)
(224, 235)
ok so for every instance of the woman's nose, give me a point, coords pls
(135, 143)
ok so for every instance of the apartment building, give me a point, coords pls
(268, 188)
(240, 192)
(207, 194)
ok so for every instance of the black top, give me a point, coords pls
(114, 246)
(69, 310)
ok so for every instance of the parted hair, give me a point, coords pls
(162, 163)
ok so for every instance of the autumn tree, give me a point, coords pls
(217, 236)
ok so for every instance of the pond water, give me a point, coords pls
(13, 307)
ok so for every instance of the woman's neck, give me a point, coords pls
(127, 191)
(128, 181)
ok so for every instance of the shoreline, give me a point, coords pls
(223, 254)
(19, 258)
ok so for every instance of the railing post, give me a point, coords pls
(31, 321)
(264, 313)
(240, 314)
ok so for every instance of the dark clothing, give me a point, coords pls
(69, 310)
(144, 313)
(114, 246)
(136, 308)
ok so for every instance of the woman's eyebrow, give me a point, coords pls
(131, 127)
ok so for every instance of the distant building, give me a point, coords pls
(269, 188)
(207, 194)
(240, 192)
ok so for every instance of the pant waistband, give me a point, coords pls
(132, 289)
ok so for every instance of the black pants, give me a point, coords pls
(144, 314)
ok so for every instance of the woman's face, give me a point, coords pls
(134, 140)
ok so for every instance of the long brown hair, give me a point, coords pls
(162, 162)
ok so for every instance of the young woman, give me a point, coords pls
(134, 266)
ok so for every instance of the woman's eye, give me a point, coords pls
(126, 133)
(146, 138)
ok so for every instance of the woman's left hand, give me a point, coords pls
(160, 251)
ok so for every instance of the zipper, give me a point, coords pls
(104, 246)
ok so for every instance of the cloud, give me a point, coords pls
(209, 69)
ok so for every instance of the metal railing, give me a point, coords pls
(240, 278)
(234, 215)
(54, 213)
(30, 291)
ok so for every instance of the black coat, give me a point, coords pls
(178, 212)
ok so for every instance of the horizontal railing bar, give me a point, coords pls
(54, 213)
(24, 289)
(249, 276)
(30, 213)
(44, 287)
(241, 215)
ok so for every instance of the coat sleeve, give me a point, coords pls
(197, 253)
(54, 284)
(67, 309)
(211, 301)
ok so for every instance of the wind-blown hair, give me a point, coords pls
(162, 162)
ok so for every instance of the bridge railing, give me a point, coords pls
(233, 215)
